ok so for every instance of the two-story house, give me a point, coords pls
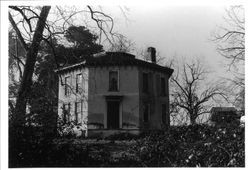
(114, 92)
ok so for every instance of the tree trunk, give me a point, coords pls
(193, 119)
(26, 82)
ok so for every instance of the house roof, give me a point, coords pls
(115, 59)
(223, 109)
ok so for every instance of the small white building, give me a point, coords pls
(114, 92)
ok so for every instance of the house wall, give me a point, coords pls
(73, 97)
(128, 89)
(95, 87)
(154, 98)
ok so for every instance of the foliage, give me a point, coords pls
(84, 45)
(70, 129)
(122, 136)
(192, 146)
(33, 28)
(184, 146)
(43, 97)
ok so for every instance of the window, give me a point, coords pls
(67, 84)
(146, 112)
(145, 82)
(66, 113)
(158, 84)
(163, 86)
(113, 81)
(163, 113)
(78, 112)
(78, 82)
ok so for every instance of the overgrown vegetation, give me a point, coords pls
(185, 146)
(33, 141)
(193, 146)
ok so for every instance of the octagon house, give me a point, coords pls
(113, 92)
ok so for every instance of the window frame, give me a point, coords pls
(66, 88)
(117, 85)
(78, 112)
(147, 117)
(145, 86)
(163, 87)
(164, 113)
(66, 113)
(78, 84)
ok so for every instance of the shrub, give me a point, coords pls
(191, 146)
(122, 136)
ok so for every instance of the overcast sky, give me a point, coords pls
(174, 30)
(182, 31)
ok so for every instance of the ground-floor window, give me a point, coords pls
(146, 112)
(78, 112)
(163, 113)
(66, 113)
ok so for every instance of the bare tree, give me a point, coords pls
(230, 41)
(189, 94)
(23, 19)
(122, 44)
(26, 81)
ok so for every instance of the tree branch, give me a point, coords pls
(20, 37)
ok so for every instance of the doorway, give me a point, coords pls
(113, 114)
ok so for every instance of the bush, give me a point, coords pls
(122, 136)
(191, 146)
(185, 146)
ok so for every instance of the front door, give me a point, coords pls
(113, 114)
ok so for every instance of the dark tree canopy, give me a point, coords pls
(80, 36)
(84, 45)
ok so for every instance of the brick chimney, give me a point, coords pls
(151, 54)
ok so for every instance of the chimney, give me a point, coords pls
(151, 56)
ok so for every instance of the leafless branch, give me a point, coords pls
(18, 33)
(188, 93)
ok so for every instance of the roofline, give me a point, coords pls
(83, 64)
(137, 62)
(68, 67)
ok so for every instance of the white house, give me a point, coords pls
(114, 92)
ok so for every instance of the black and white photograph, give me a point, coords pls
(119, 85)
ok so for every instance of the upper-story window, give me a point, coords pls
(145, 82)
(67, 86)
(113, 81)
(78, 82)
(163, 86)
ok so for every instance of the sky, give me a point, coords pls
(180, 31)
